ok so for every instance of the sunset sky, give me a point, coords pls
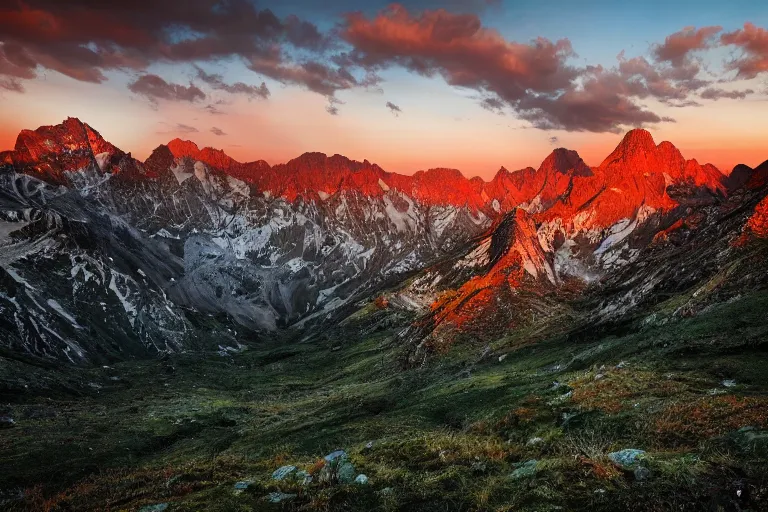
(469, 84)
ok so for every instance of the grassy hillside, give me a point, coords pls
(507, 426)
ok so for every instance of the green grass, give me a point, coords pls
(446, 435)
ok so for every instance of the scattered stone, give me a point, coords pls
(279, 497)
(534, 441)
(622, 364)
(243, 484)
(6, 422)
(627, 458)
(479, 466)
(369, 445)
(335, 455)
(283, 472)
(361, 479)
(160, 507)
(642, 473)
(524, 470)
(345, 473)
(728, 383)
(599, 376)
(502, 357)
(387, 491)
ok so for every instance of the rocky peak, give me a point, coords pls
(637, 151)
(181, 148)
(50, 151)
(670, 155)
(738, 177)
(564, 161)
(759, 177)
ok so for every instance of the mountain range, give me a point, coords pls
(104, 257)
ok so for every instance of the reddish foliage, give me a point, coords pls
(603, 471)
(707, 417)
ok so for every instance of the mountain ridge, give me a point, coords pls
(317, 174)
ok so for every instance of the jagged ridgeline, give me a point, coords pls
(106, 257)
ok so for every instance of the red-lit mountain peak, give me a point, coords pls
(180, 148)
(565, 161)
(51, 151)
(636, 149)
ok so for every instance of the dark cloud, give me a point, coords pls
(539, 80)
(592, 108)
(554, 141)
(154, 88)
(179, 128)
(332, 109)
(753, 41)
(216, 81)
(84, 39)
(677, 47)
(213, 110)
(313, 75)
(11, 84)
(716, 94)
(534, 79)
(493, 104)
(460, 49)
(217, 131)
(304, 34)
(394, 108)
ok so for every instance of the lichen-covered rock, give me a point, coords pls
(159, 507)
(345, 474)
(283, 472)
(524, 470)
(243, 484)
(627, 458)
(279, 497)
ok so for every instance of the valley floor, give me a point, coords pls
(508, 426)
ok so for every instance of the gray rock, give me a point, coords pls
(642, 473)
(361, 479)
(6, 422)
(345, 474)
(524, 470)
(283, 472)
(160, 507)
(279, 497)
(243, 484)
(335, 455)
(627, 458)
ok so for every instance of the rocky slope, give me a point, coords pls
(104, 256)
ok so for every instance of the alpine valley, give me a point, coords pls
(175, 332)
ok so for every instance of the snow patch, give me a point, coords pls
(60, 310)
